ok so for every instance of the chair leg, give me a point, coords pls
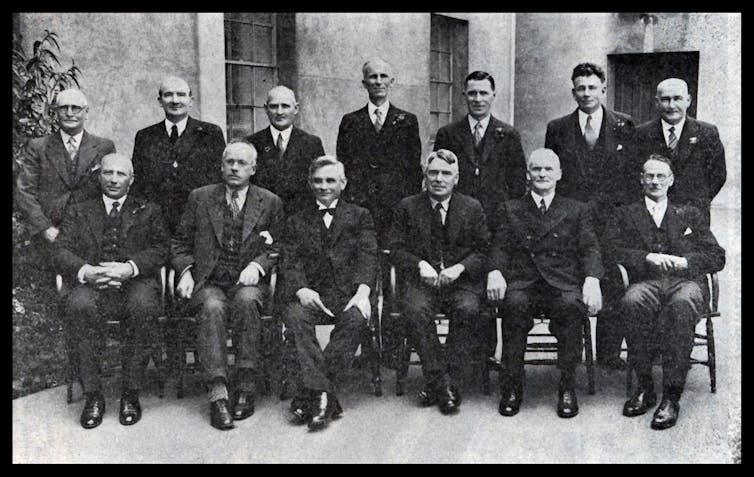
(711, 355)
(629, 378)
(181, 364)
(374, 361)
(589, 354)
(402, 371)
(485, 377)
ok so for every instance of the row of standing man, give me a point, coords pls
(599, 152)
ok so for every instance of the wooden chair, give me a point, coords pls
(159, 353)
(704, 339)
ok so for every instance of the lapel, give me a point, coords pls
(86, 155)
(657, 138)
(683, 149)
(608, 130)
(464, 137)
(388, 129)
(216, 210)
(128, 215)
(644, 222)
(555, 214)
(186, 140)
(342, 216)
(291, 149)
(252, 206)
(527, 220)
(57, 154)
(96, 216)
(454, 219)
(673, 223)
(572, 132)
(489, 140)
(424, 222)
(365, 122)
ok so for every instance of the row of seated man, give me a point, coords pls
(544, 253)
(380, 147)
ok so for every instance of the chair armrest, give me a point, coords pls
(623, 275)
(59, 283)
(171, 283)
(163, 281)
(714, 285)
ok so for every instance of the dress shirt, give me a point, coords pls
(383, 109)
(538, 198)
(181, 126)
(286, 133)
(327, 217)
(444, 207)
(596, 121)
(677, 131)
(656, 209)
(485, 122)
(76, 137)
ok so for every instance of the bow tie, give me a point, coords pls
(330, 211)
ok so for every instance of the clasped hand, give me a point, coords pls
(667, 262)
(107, 274)
(429, 275)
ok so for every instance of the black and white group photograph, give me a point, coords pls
(376, 237)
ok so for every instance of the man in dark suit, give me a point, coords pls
(285, 151)
(177, 155)
(693, 146)
(594, 145)
(110, 249)
(667, 250)
(221, 252)
(59, 170)
(380, 147)
(491, 160)
(329, 269)
(544, 256)
(439, 242)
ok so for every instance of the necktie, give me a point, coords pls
(71, 146)
(174, 134)
(477, 133)
(438, 236)
(377, 120)
(590, 135)
(234, 208)
(114, 210)
(672, 139)
(656, 216)
(542, 207)
(279, 145)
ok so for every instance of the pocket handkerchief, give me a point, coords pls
(268, 237)
(687, 231)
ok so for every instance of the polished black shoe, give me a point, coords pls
(642, 401)
(301, 410)
(427, 397)
(94, 410)
(510, 402)
(130, 409)
(568, 406)
(612, 363)
(449, 400)
(325, 407)
(243, 405)
(220, 416)
(666, 414)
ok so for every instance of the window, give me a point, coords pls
(250, 70)
(448, 67)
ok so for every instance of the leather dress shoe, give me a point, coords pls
(510, 403)
(427, 397)
(449, 400)
(130, 409)
(568, 406)
(666, 414)
(613, 363)
(324, 408)
(220, 416)
(94, 410)
(642, 401)
(301, 410)
(243, 405)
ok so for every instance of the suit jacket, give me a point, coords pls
(630, 231)
(198, 238)
(698, 161)
(467, 238)
(287, 178)
(45, 185)
(165, 174)
(560, 248)
(349, 250)
(381, 168)
(143, 236)
(602, 177)
(501, 166)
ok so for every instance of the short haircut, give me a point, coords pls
(659, 158)
(119, 157)
(73, 92)
(444, 154)
(479, 76)
(323, 161)
(241, 145)
(164, 80)
(373, 60)
(588, 69)
(544, 153)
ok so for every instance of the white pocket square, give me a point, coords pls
(687, 231)
(268, 237)
(620, 146)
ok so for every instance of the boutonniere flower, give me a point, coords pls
(267, 148)
(138, 209)
(693, 140)
(619, 148)
(499, 133)
(267, 236)
(399, 119)
(95, 168)
(620, 123)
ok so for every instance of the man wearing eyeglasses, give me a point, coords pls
(667, 249)
(60, 169)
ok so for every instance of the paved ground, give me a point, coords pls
(393, 429)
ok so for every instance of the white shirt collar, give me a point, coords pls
(77, 137)
(445, 203)
(321, 206)
(181, 125)
(241, 195)
(662, 205)
(677, 131)
(285, 132)
(485, 122)
(109, 202)
(384, 108)
(538, 198)
(596, 120)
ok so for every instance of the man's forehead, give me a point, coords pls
(379, 67)
(116, 163)
(174, 84)
(587, 79)
(653, 165)
(72, 97)
(281, 96)
(441, 165)
(672, 88)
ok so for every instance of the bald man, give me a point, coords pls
(545, 256)
(221, 254)
(59, 170)
(693, 147)
(285, 151)
(110, 249)
(178, 154)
